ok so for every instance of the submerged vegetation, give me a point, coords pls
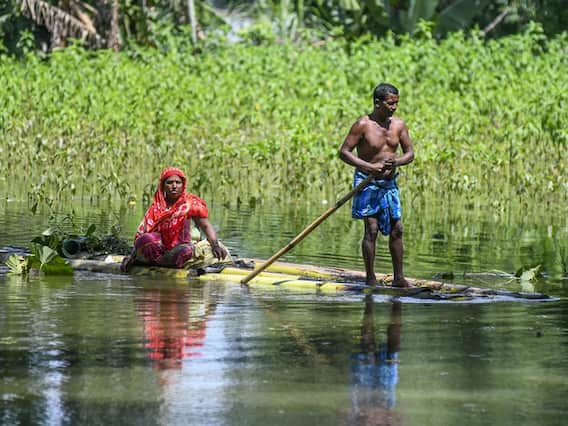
(253, 122)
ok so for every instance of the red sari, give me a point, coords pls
(165, 228)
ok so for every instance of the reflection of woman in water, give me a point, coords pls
(374, 371)
(173, 330)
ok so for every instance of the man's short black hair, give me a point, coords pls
(383, 90)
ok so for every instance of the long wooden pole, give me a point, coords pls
(307, 230)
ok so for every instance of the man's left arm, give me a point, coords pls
(407, 148)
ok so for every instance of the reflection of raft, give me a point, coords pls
(307, 277)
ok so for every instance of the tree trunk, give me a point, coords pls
(114, 41)
(192, 20)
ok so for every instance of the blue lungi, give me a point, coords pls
(374, 377)
(379, 198)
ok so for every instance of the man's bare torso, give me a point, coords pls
(379, 143)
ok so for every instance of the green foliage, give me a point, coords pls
(458, 15)
(529, 274)
(18, 265)
(527, 277)
(51, 237)
(49, 250)
(43, 260)
(12, 25)
(165, 25)
(405, 15)
(41, 255)
(258, 34)
(552, 15)
(93, 244)
(264, 122)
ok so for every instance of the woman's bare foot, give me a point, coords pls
(127, 263)
(402, 283)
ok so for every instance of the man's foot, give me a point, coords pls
(372, 282)
(401, 283)
(126, 264)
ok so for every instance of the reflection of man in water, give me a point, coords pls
(374, 372)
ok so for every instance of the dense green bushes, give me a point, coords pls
(488, 118)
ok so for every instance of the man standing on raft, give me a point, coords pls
(377, 137)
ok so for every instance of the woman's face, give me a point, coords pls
(173, 187)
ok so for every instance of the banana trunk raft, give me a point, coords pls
(302, 277)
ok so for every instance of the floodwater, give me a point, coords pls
(105, 349)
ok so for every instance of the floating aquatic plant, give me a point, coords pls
(47, 252)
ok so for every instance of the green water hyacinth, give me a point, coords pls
(48, 251)
(43, 260)
(263, 123)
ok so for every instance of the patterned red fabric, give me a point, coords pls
(169, 222)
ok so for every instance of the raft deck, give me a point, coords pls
(286, 275)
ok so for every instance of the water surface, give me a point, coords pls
(96, 348)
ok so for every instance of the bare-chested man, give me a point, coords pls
(376, 137)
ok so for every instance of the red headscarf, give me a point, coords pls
(169, 222)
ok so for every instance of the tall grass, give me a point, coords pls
(263, 123)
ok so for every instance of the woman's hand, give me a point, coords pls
(218, 251)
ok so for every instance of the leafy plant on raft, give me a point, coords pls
(48, 251)
(525, 275)
(42, 260)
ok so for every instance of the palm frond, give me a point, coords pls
(57, 20)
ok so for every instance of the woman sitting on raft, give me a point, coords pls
(164, 236)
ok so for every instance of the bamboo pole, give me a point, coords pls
(307, 230)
